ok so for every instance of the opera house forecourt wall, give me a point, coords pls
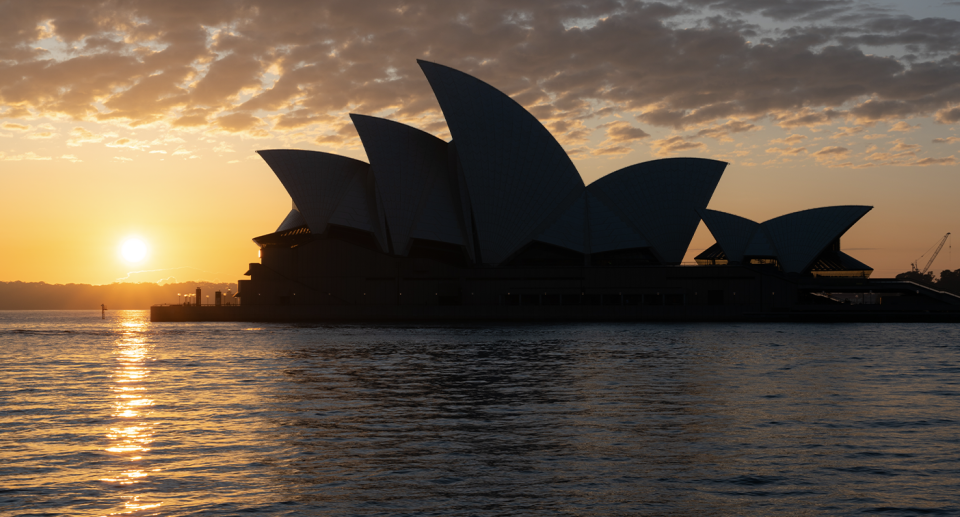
(498, 224)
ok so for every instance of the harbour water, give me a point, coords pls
(125, 416)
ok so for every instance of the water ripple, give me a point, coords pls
(123, 416)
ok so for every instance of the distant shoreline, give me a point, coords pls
(117, 296)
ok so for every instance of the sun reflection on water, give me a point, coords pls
(130, 436)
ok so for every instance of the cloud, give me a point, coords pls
(903, 154)
(848, 131)
(678, 143)
(947, 140)
(27, 156)
(948, 116)
(924, 36)
(792, 151)
(832, 150)
(807, 117)
(237, 122)
(79, 136)
(71, 158)
(675, 144)
(900, 146)
(949, 160)
(345, 133)
(14, 126)
(905, 161)
(621, 131)
(613, 150)
(900, 153)
(253, 67)
(792, 139)
(225, 78)
(723, 131)
(780, 10)
(129, 143)
(299, 118)
(903, 126)
(168, 138)
(831, 153)
(191, 120)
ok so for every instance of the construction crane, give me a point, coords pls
(932, 257)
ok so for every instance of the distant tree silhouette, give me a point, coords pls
(916, 276)
(949, 281)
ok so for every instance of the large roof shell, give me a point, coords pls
(570, 229)
(315, 181)
(462, 194)
(732, 232)
(608, 231)
(519, 177)
(660, 198)
(795, 240)
(801, 236)
(439, 219)
(760, 245)
(355, 209)
(409, 165)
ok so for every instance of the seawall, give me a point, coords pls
(421, 313)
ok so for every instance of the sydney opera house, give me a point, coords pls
(498, 224)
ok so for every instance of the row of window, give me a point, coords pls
(591, 299)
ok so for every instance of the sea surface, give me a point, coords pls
(125, 416)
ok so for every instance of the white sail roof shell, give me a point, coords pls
(315, 181)
(570, 229)
(660, 199)
(732, 232)
(795, 240)
(329, 189)
(462, 194)
(801, 237)
(518, 176)
(608, 231)
(439, 218)
(410, 167)
(354, 209)
(760, 245)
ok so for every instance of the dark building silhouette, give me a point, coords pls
(498, 223)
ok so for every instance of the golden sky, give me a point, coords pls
(141, 118)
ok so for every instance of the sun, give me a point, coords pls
(133, 250)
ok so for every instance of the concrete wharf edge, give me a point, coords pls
(473, 313)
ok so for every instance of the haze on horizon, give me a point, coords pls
(140, 119)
